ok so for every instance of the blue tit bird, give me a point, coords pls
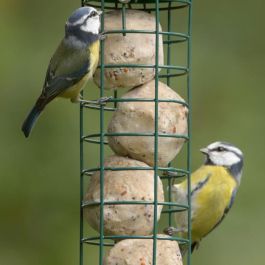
(72, 64)
(213, 189)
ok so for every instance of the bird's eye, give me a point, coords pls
(93, 13)
(220, 149)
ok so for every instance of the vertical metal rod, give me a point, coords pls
(115, 96)
(189, 130)
(156, 130)
(81, 154)
(123, 15)
(168, 39)
(101, 230)
(168, 83)
(81, 224)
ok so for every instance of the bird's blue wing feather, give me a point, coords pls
(67, 67)
(231, 201)
(57, 84)
(199, 185)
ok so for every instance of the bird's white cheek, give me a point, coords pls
(217, 160)
(91, 26)
(227, 159)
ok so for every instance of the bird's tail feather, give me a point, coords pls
(184, 248)
(30, 120)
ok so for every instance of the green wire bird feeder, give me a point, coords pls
(177, 66)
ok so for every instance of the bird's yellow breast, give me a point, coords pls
(210, 202)
(94, 56)
(74, 91)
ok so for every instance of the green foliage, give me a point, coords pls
(39, 176)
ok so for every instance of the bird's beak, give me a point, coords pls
(100, 12)
(204, 151)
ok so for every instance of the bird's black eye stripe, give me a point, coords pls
(219, 149)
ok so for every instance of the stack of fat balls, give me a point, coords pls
(135, 151)
(213, 185)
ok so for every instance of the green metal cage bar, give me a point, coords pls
(164, 173)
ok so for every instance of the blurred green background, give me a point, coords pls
(39, 188)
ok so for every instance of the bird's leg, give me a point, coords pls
(85, 102)
(174, 175)
(171, 230)
(100, 101)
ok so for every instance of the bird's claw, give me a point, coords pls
(171, 230)
(103, 100)
(102, 36)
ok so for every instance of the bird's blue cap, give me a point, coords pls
(78, 13)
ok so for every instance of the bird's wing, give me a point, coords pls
(180, 190)
(198, 184)
(67, 67)
(180, 195)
